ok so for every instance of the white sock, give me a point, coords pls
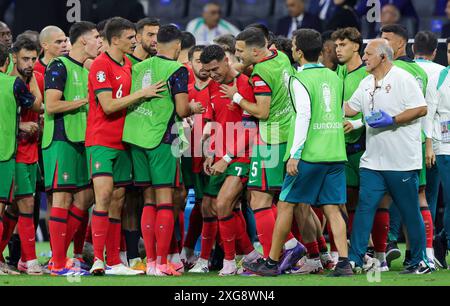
(174, 258)
(289, 245)
(253, 255)
(430, 253)
(381, 256)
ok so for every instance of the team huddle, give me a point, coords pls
(136, 115)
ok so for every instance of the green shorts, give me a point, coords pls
(423, 172)
(7, 177)
(186, 171)
(267, 168)
(104, 161)
(201, 180)
(157, 167)
(65, 166)
(215, 182)
(352, 169)
(26, 177)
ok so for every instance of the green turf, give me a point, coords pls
(440, 278)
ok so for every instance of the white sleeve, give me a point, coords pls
(191, 26)
(356, 101)
(412, 94)
(432, 103)
(303, 107)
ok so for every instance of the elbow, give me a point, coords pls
(108, 111)
(263, 116)
(423, 111)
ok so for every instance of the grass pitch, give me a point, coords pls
(439, 278)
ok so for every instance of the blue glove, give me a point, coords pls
(380, 120)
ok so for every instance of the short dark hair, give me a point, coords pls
(24, 43)
(33, 36)
(194, 49)
(310, 43)
(168, 33)
(116, 26)
(284, 45)
(4, 54)
(397, 29)
(147, 22)
(78, 29)
(252, 37)
(211, 53)
(260, 27)
(101, 26)
(187, 40)
(352, 34)
(227, 42)
(425, 43)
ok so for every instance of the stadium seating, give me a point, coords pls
(167, 8)
(196, 7)
(251, 8)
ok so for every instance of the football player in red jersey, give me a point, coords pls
(109, 162)
(24, 56)
(192, 172)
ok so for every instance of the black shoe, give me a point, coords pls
(440, 250)
(342, 271)
(407, 261)
(392, 252)
(419, 269)
(261, 268)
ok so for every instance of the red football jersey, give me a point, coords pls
(107, 75)
(202, 96)
(40, 67)
(191, 80)
(233, 131)
(28, 145)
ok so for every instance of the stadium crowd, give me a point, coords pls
(285, 139)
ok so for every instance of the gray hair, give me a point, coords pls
(384, 48)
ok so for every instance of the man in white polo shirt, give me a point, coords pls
(392, 103)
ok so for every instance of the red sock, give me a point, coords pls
(74, 221)
(319, 214)
(9, 224)
(58, 233)
(428, 220)
(80, 235)
(380, 230)
(228, 229)
(173, 249)
(148, 221)
(265, 223)
(195, 227)
(123, 242)
(313, 249)
(333, 247)
(113, 242)
(100, 224)
(181, 225)
(323, 248)
(88, 237)
(27, 237)
(164, 230)
(295, 231)
(209, 232)
(243, 244)
(351, 215)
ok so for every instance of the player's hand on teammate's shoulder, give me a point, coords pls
(153, 90)
(292, 167)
